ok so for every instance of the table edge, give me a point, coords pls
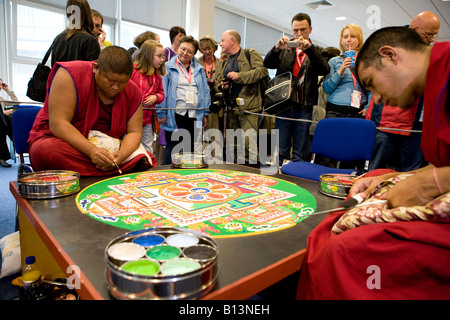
(86, 290)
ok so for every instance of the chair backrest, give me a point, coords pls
(22, 122)
(344, 139)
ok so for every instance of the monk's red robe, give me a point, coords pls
(48, 152)
(410, 259)
(436, 117)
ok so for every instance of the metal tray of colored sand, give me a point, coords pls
(164, 263)
(49, 184)
(336, 185)
(189, 160)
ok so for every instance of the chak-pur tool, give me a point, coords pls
(120, 171)
(353, 202)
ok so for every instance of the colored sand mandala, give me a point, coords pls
(220, 203)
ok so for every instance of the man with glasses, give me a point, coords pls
(427, 25)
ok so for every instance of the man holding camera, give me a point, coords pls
(306, 62)
(237, 76)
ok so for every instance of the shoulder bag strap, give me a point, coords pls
(47, 55)
(248, 56)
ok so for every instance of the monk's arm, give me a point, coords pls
(133, 138)
(419, 189)
(425, 185)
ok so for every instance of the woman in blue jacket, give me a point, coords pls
(346, 98)
(187, 99)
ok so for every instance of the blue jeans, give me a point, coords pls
(398, 150)
(294, 134)
(336, 114)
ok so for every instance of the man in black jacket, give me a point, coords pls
(306, 62)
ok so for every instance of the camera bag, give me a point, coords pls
(278, 90)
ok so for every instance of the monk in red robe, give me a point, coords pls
(92, 118)
(401, 259)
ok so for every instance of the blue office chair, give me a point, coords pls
(22, 122)
(11, 145)
(339, 139)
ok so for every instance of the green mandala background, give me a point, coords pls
(252, 208)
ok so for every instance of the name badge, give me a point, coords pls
(356, 99)
(190, 97)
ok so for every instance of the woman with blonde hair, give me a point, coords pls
(208, 46)
(346, 97)
(149, 68)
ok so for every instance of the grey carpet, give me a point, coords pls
(7, 201)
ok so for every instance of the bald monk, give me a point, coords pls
(427, 25)
(91, 119)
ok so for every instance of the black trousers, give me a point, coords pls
(183, 122)
(5, 130)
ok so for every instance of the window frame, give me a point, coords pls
(15, 57)
(144, 28)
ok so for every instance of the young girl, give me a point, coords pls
(149, 68)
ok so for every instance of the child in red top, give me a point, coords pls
(149, 68)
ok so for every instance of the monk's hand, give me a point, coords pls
(416, 190)
(366, 186)
(118, 157)
(102, 159)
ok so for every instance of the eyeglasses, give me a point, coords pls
(428, 36)
(186, 50)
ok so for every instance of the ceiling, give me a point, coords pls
(323, 14)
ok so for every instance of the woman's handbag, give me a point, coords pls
(279, 90)
(38, 83)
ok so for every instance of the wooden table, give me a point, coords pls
(59, 235)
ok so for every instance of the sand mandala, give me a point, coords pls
(219, 203)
